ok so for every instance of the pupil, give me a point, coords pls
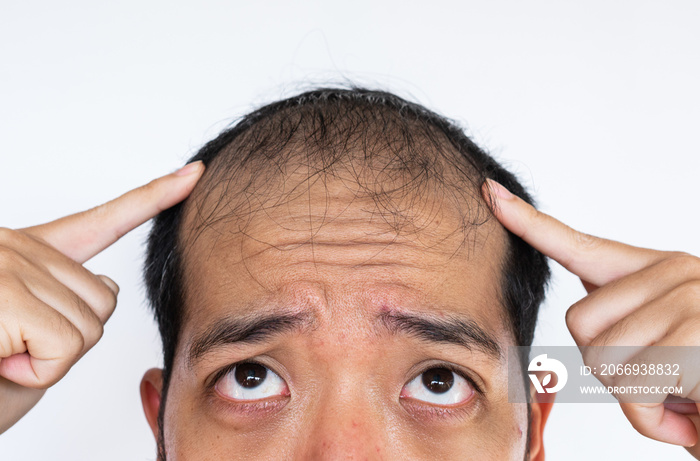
(438, 380)
(250, 374)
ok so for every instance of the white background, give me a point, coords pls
(596, 105)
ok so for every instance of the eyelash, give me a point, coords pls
(216, 377)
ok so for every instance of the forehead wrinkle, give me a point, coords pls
(279, 232)
(360, 252)
(396, 252)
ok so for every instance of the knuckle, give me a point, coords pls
(10, 260)
(575, 326)
(7, 235)
(89, 323)
(11, 283)
(689, 291)
(76, 344)
(686, 333)
(13, 238)
(99, 331)
(107, 299)
(685, 264)
(576, 322)
(16, 238)
(102, 303)
(573, 317)
(72, 342)
(94, 334)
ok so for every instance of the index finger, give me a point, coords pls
(83, 235)
(593, 259)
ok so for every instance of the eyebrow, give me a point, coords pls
(246, 330)
(450, 330)
(260, 328)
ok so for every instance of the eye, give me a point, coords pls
(251, 381)
(439, 386)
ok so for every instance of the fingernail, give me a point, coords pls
(500, 191)
(190, 168)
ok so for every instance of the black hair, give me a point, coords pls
(327, 126)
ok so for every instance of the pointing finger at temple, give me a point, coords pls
(83, 235)
(595, 260)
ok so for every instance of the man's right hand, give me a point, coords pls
(52, 309)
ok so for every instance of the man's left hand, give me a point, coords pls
(636, 297)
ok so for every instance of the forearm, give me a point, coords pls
(15, 402)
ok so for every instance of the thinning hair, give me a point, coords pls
(396, 152)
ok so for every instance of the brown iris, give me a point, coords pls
(438, 380)
(250, 374)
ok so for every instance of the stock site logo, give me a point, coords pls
(548, 367)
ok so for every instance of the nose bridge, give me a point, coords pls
(348, 424)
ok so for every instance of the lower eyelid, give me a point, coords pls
(223, 396)
(254, 408)
(422, 410)
(406, 397)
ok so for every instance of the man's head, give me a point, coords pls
(336, 285)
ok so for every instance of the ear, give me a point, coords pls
(540, 408)
(151, 389)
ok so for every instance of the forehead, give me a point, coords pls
(332, 243)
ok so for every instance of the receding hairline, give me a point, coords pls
(398, 160)
(230, 191)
